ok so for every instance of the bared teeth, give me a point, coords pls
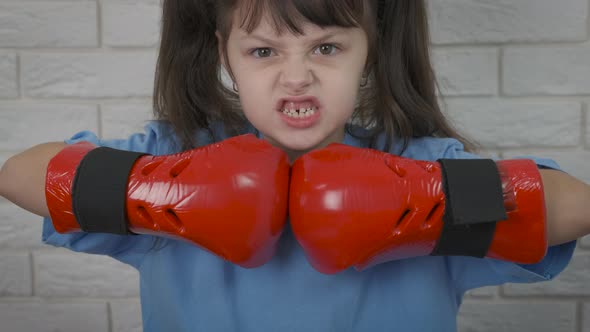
(299, 109)
(300, 113)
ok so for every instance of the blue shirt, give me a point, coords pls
(185, 288)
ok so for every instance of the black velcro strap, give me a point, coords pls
(474, 203)
(99, 190)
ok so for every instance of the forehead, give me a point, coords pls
(266, 27)
(297, 17)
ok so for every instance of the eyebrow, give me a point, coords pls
(273, 42)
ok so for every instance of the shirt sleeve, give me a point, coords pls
(129, 249)
(469, 272)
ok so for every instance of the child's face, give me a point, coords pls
(320, 70)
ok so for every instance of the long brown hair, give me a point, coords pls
(399, 100)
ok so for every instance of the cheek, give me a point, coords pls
(343, 90)
(254, 97)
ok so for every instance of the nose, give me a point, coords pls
(296, 75)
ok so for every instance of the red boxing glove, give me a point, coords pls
(229, 198)
(361, 207)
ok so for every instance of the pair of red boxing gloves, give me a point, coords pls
(347, 206)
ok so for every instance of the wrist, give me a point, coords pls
(568, 208)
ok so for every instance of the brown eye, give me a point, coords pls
(264, 52)
(327, 49)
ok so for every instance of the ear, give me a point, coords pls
(368, 70)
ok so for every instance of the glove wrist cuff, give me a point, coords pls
(524, 201)
(59, 180)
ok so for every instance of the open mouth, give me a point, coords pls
(304, 106)
(299, 110)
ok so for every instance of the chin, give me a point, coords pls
(296, 147)
(298, 143)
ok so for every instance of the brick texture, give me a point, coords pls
(500, 123)
(48, 24)
(88, 75)
(555, 70)
(8, 75)
(122, 120)
(58, 274)
(49, 316)
(19, 229)
(15, 275)
(467, 71)
(587, 126)
(140, 19)
(24, 125)
(504, 21)
(126, 315)
(511, 317)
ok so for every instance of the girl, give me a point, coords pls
(304, 74)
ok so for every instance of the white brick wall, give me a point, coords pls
(508, 21)
(546, 70)
(88, 75)
(515, 75)
(480, 80)
(143, 32)
(8, 79)
(48, 24)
